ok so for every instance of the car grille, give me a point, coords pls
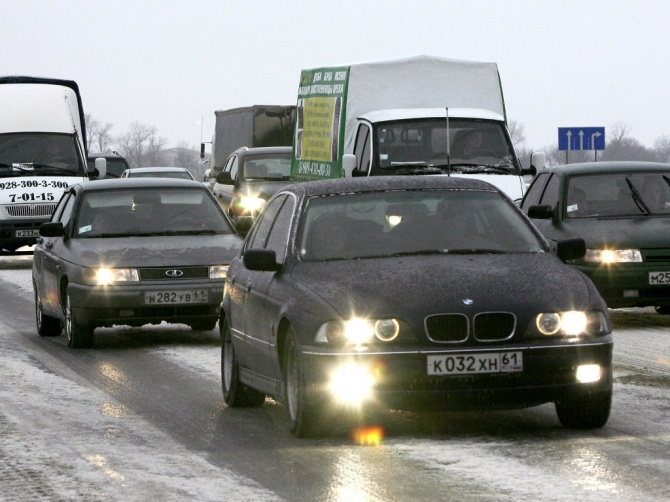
(173, 273)
(447, 327)
(23, 210)
(453, 328)
(491, 326)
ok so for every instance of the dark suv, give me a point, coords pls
(116, 164)
(249, 178)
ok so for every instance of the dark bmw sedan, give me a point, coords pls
(410, 293)
(622, 210)
(131, 252)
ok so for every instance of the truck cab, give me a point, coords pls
(455, 142)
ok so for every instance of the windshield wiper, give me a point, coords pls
(637, 198)
(55, 168)
(475, 168)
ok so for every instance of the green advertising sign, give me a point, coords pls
(317, 147)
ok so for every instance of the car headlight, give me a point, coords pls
(571, 323)
(104, 275)
(613, 256)
(358, 331)
(247, 205)
(218, 271)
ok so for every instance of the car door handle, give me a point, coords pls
(248, 286)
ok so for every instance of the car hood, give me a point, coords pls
(638, 232)
(440, 283)
(156, 251)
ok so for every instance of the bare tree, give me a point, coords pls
(99, 137)
(141, 145)
(621, 146)
(662, 148)
(516, 132)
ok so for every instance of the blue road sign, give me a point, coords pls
(581, 138)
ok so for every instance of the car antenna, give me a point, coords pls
(448, 147)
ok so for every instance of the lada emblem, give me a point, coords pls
(468, 302)
(174, 273)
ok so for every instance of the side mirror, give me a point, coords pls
(571, 249)
(543, 212)
(262, 260)
(537, 161)
(348, 165)
(101, 167)
(52, 229)
(224, 178)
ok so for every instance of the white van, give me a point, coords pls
(42, 151)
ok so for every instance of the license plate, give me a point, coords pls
(659, 278)
(471, 364)
(27, 233)
(175, 297)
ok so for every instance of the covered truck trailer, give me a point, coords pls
(417, 115)
(250, 126)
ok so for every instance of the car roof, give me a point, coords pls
(245, 150)
(606, 167)
(157, 169)
(377, 183)
(107, 184)
(108, 155)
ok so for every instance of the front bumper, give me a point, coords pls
(402, 379)
(628, 285)
(109, 305)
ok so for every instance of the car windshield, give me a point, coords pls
(472, 146)
(268, 167)
(402, 222)
(618, 194)
(134, 212)
(39, 154)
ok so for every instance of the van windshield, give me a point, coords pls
(39, 154)
(471, 146)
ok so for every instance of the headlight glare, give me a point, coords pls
(613, 256)
(245, 205)
(103, 275)
(572, 323)
(357, 331)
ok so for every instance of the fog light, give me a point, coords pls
(588, 373)
(351, 384)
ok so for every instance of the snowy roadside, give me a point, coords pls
(47, 452)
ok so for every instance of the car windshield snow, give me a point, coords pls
(618, 195)
(401, 222)
(165, 211)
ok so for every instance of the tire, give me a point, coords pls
(46, 325)
(302, 413)
(235, 393)
(663, 309)
(79, 336)
(585, 410)
(204, 325)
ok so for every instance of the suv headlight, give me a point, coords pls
(613, 256)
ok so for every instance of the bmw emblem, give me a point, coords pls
(468, 302)
(174, 273)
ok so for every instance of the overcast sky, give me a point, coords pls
(172, 63)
